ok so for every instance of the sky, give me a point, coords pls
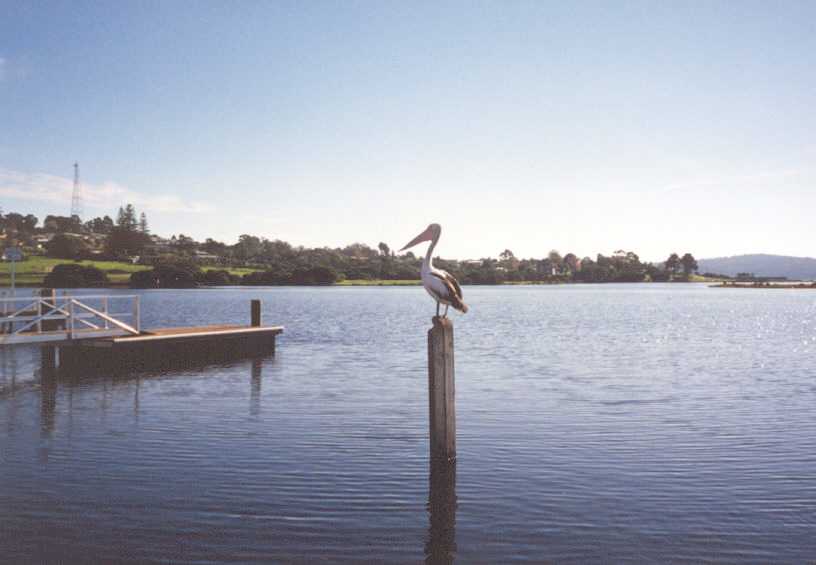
(585, 127)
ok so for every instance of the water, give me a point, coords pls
(615, 424)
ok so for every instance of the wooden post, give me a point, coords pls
(71, 320)
(441, 390)
(256, 313)
(440, 545)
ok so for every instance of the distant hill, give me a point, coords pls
(762, 266)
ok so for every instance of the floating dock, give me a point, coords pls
(78, 335)
(168, 347)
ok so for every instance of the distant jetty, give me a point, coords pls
(762, 284)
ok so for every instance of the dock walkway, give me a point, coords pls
(84, 334)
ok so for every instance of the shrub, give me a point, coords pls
(219, 277)
(314, 275)
(301, 276)
(167, 276)
(70, 275)
(274, 275)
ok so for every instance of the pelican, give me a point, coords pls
(440, 284)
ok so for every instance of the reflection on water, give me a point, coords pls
(10, 361)
(255, 396)
(613, 424)
(48, 403)
(441, 544)
(50, 382)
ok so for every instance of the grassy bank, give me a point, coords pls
(32, 271)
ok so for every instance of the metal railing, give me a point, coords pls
(60, 318)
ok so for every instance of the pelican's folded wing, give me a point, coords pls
(453, 290)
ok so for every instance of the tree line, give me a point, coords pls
(183, 261)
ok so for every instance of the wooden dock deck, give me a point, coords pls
(188, 334)
(168, 348)
(76, 333)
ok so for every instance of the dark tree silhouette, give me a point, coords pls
(673, 263)
(689, 264)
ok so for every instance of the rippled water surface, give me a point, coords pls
(632, 423)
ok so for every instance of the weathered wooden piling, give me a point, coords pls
(441, 390)
(440, 546)
(255, 320)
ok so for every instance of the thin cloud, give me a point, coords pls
(42, 187)
(2, 68)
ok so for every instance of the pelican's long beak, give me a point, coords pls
(424, 236)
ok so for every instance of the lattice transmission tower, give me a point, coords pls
(76, 198)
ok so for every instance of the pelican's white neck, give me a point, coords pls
(427, 264)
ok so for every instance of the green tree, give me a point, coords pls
(359, 250)
(184, 244)
(248, 247)
(689, 264)
(214, 247)
(508, 262)
(13, 221)
(126, 218)
(64, 246)
(21, 224)
(123, 241)
(102, 225)
(277, 251)
(62, 224)
(673, 263)
(506, 255)
(30, 223)
(385, 261)
(571, 261)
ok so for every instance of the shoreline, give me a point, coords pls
(361, 282)
(784, 286)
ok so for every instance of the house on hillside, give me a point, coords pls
(158, 246)
(204, 256)
(41, 240)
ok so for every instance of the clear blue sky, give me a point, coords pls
(580, 126)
